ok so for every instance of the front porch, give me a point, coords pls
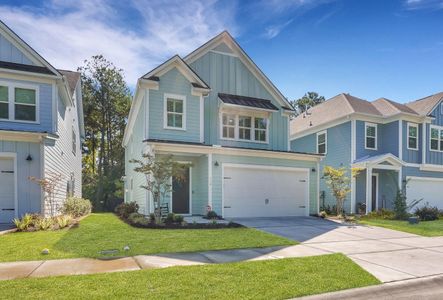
(378, 181)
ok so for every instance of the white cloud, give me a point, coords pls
(66, 33)
(274, 30)
(423, 4)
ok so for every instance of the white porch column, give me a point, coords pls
(368, 188)
(400, 178)
(210, 180)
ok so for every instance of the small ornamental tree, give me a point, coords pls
(49, 185)
(158, 172)
(339, 183)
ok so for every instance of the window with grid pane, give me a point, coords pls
(175, 111)
(25, 104)
(4, 102)
(371, 136)
(413, 136)
(434, 139)
(244, 127)
(260, 126)
(321, 143)
(228, 126)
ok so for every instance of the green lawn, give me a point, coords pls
(428, 228)
(271, 279)
(105, 231)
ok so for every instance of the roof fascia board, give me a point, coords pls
(320, 127)
(182, 148)
(20, 75)
(244, 58)
(36, 58)
(135, 107)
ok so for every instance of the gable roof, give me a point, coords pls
(344, 105)
(335, 108)
(425, 106)
(388, 107)
(24, 47)
(226, 38)
(182, 66)
(72, 79)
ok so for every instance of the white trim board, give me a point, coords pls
(13, 156)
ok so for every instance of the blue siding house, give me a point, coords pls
(216, 109)
(41, 128)
(395, 145)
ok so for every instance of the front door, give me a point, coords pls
(181, 194)
(7, 190)
(374, 193)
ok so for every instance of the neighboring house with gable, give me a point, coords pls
(41, 128)
(216, 109)
(395, 145)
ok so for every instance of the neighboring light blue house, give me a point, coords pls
(216, 109)
(395, 145)
(41, 128)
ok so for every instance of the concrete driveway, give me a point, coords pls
(387, 254)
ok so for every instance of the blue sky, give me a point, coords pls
(371, 49)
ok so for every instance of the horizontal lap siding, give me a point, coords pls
(45, 109)
(29, 193)
(173, 82)
(59, 157)
(134, 150)
(338, 155)
(227, 74)
(217, 180)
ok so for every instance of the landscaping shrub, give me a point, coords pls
(24, 223)
(211, 215)
(76, 207)
(322, 214)
(178, 219)
(427, 213)
(152, 217)
(63, 221)
(137, 219)
(401, 207)
(125, 209)
(44, 223)
(382, 214)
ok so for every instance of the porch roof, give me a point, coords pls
(382, 161)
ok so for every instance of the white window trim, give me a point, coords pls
(326, 141)
(236, 130)
(11, 101)
(441, 108)
(165, 111)
(408, 137)
(367, 124)
(439, 128)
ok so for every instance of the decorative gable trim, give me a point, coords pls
(36, 58)
(226, 38)
(198, 84)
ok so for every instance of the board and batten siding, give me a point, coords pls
(409, 155)
(10, 53)
(227, 74)
(217, 177)
(45, 97)
(434, 157)
(173, 82)
(59, 156)
(338, 155)
(29, 194)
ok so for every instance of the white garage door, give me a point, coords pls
(7, 190)
(264, 192)
(428, 189)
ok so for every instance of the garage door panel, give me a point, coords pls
(264, 192)
(428, 189)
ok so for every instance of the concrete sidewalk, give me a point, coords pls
(78, 266)
(429, 288)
